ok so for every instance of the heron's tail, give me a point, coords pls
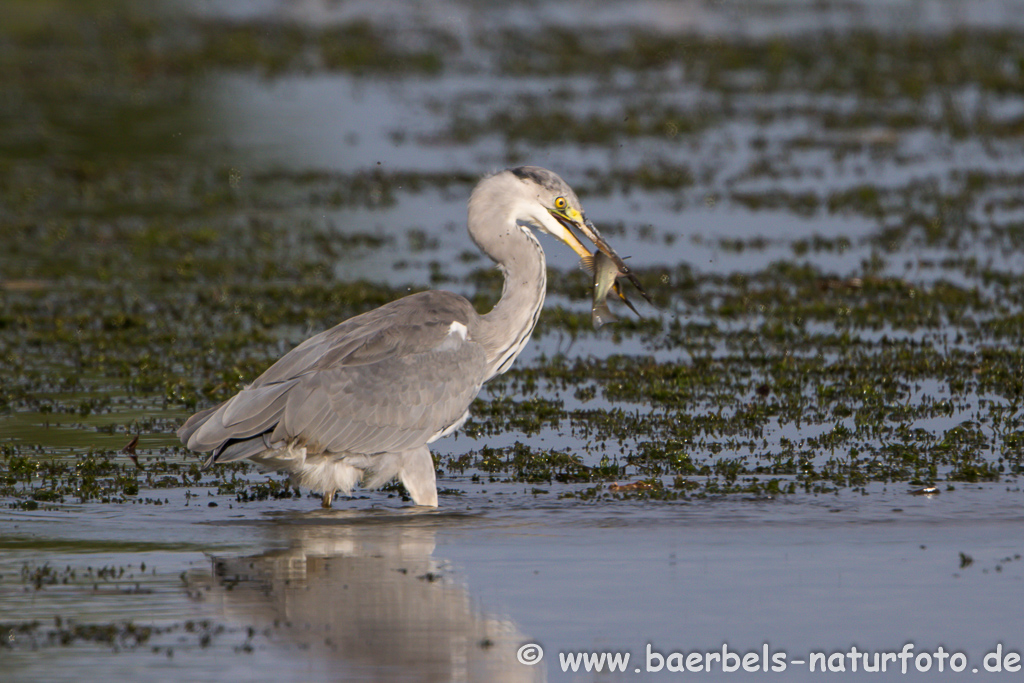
(239, 427)
(193, 424)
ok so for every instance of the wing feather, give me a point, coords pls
(385, 381)
(248, 413)
(299, 413)
(254, 404)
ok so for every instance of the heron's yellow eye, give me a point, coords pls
(560, 203)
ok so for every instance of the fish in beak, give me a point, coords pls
(572, 220)
(606, 278)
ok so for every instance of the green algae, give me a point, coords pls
(123, 635)
(856, 374)
(139, 283)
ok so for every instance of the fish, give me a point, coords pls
(606, 274)
(624, 270)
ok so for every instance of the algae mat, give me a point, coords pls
(812, 442)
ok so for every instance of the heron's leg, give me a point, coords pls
(327, 499)
(417, 474)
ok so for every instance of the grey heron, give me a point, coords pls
(360, 402)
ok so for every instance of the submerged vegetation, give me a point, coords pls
(877, 342)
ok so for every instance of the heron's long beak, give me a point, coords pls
(572, 219)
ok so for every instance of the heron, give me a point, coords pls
(359, 403)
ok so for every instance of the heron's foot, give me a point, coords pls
(327, 499)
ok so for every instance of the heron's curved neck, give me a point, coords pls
(505, 331)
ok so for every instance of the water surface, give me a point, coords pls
(821, 197)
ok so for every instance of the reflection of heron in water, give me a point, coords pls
(369, 601)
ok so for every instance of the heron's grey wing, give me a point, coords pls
(248, 413)
(256, 408)
(337, 345)
(381, 381)
(388, 405)
(193, 423)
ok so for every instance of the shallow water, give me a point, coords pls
(387, 593)
(835, 256)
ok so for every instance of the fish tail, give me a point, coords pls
(601, 314)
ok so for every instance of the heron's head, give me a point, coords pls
(536, 198)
